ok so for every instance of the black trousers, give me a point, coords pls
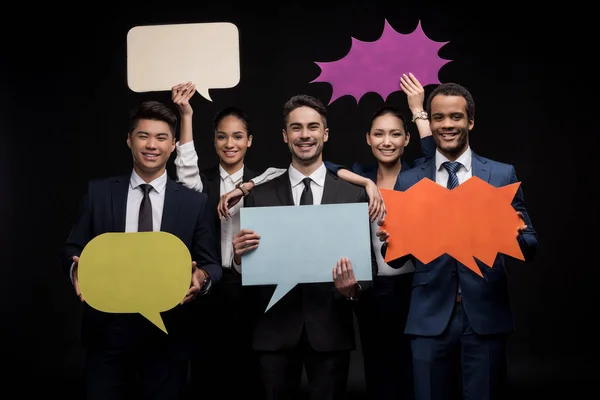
(228, 367)
(381, 315)
(327, 373)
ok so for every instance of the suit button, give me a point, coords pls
(453, 273)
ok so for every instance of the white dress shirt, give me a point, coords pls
(229, 226)
(317, 183)
(134, 200)
(463, 173)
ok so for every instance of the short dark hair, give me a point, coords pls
(154, 110)
(452, 89)
(304, 100)
(233, 112)
(385, 110)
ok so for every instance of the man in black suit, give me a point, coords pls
(127, 349)
(312, 325)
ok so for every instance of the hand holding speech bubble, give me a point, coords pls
(475, 220)
(307, 247)
(137, 272)
(161, 56)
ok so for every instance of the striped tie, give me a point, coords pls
(452, 167)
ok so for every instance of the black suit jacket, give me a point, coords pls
(318, 307)
(186, 215)
(211, 185)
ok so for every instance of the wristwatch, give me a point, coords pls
(241, 186)
(419, 115)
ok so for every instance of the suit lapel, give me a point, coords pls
(170, 208)
(284, 190)
(330, 189)
(119, 202)
(481, 168)
(213, 181)
(427, 170)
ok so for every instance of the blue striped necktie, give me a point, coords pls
(452, 167)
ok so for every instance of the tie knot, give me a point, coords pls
(451, 167)
(146, 188)
(306, 182)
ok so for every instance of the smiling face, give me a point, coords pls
(450, 125)
(387, 138)
(231, 142)
(151, 144)
(305, 134)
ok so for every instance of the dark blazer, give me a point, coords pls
(485, 299)
(185, 214)
(318, 307)
(211, 185)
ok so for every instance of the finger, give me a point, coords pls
(246, 249)
(381, 214)
(194, 266)
(75, 259)
(335, 274)
(414, 80)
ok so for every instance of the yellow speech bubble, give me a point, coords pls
(138, 272)
(161, 56)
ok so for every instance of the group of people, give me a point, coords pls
(427, 331)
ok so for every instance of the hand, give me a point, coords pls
(76, 279)
(227, 201)
(181, 95)
(382, 233)
(198, 277)
(414, 92)
(523, 227)
(376, 204)
(243, 242)
(343, 278)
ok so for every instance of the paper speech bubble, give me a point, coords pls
(377, 66)
(161, 56)
(138, 272)
(302, 244)
(473, 220)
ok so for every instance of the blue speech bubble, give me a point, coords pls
(302, 244)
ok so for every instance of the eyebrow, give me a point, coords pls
(234, 133)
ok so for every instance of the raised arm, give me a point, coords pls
(186, 161)
(415, 95)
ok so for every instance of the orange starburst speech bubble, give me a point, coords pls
(474, 220)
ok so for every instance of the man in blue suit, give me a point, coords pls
(458, 319)
(126, 355)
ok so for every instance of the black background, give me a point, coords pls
(64, 112)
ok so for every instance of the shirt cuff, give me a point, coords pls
(236, 266)
(71, 273)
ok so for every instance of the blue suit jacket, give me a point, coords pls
(485, 300)
(186, 214)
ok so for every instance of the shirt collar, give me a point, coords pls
(158, 184)
(318, 176)
(465, 159)
(236, 176)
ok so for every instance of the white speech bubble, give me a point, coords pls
(162, 56)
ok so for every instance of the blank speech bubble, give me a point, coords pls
(302, 244)
(138, 272)
(162, 56)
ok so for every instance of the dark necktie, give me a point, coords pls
(306, 198)
(145, 217)
(452, 167)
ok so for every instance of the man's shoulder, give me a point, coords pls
(494, 163)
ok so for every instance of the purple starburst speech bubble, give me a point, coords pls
(377, 66)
